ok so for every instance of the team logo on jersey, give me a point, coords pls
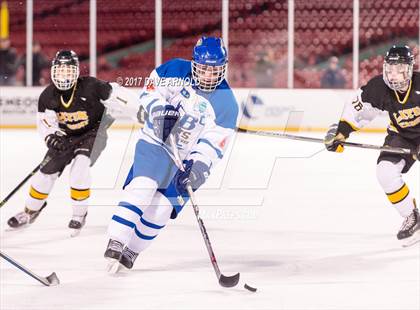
(202, 106)
(73, 120)
(408, 117)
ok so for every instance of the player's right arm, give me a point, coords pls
(47, 122)
(356, 114)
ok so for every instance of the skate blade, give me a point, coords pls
(412, 240)
(74, 232)
(113, 266)
(10, 229)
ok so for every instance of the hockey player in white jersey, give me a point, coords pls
(202, 117)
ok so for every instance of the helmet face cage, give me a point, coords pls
(397, 75)
(207, 77)
(64, 76)
(398, 68)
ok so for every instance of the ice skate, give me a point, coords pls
(25, 217)
(113, 253)
(128, 258)
(76, 224)
(409, 233)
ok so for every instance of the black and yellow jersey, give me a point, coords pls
(78, 109)
(374, 97)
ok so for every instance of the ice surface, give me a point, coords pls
(310, 229)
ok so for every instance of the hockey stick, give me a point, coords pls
(224, 281)
(50, 280)
(389, 149)
(44, 162)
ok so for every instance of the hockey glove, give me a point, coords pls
(56, 141)
(195, 174)
(333, 138)
(164, 120)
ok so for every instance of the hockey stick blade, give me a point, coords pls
(229, 281)
(52, 280)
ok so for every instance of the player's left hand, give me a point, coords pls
(195, 174)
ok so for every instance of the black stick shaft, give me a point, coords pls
(388, 149)
(42, 164)
(20, 185)
(203, 230)
(24, 269)
(225, 281)
(204, 233)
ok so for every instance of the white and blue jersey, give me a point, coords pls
(206, 125)
(207, 120)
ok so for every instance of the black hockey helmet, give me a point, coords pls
(398, 67)
(65, 69)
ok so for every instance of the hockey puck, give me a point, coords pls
(249, 288)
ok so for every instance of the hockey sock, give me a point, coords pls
(398, 193)
(40, 189)
(80, 181)
(136, 198)
(152, 221)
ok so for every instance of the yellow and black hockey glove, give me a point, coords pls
(333, 138)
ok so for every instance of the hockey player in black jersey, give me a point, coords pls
(72, 120)
(397, 92)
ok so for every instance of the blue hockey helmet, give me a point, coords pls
(209, 62)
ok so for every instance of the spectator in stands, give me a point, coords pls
(103, 64)
(39, 63)
(265, 68)
(8, 63)
(333, 78)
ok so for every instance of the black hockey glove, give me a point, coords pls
(333, 138)
(164, 120)
(195, 174)
(56, 141)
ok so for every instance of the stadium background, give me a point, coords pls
(275, 45)
(311, 229)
